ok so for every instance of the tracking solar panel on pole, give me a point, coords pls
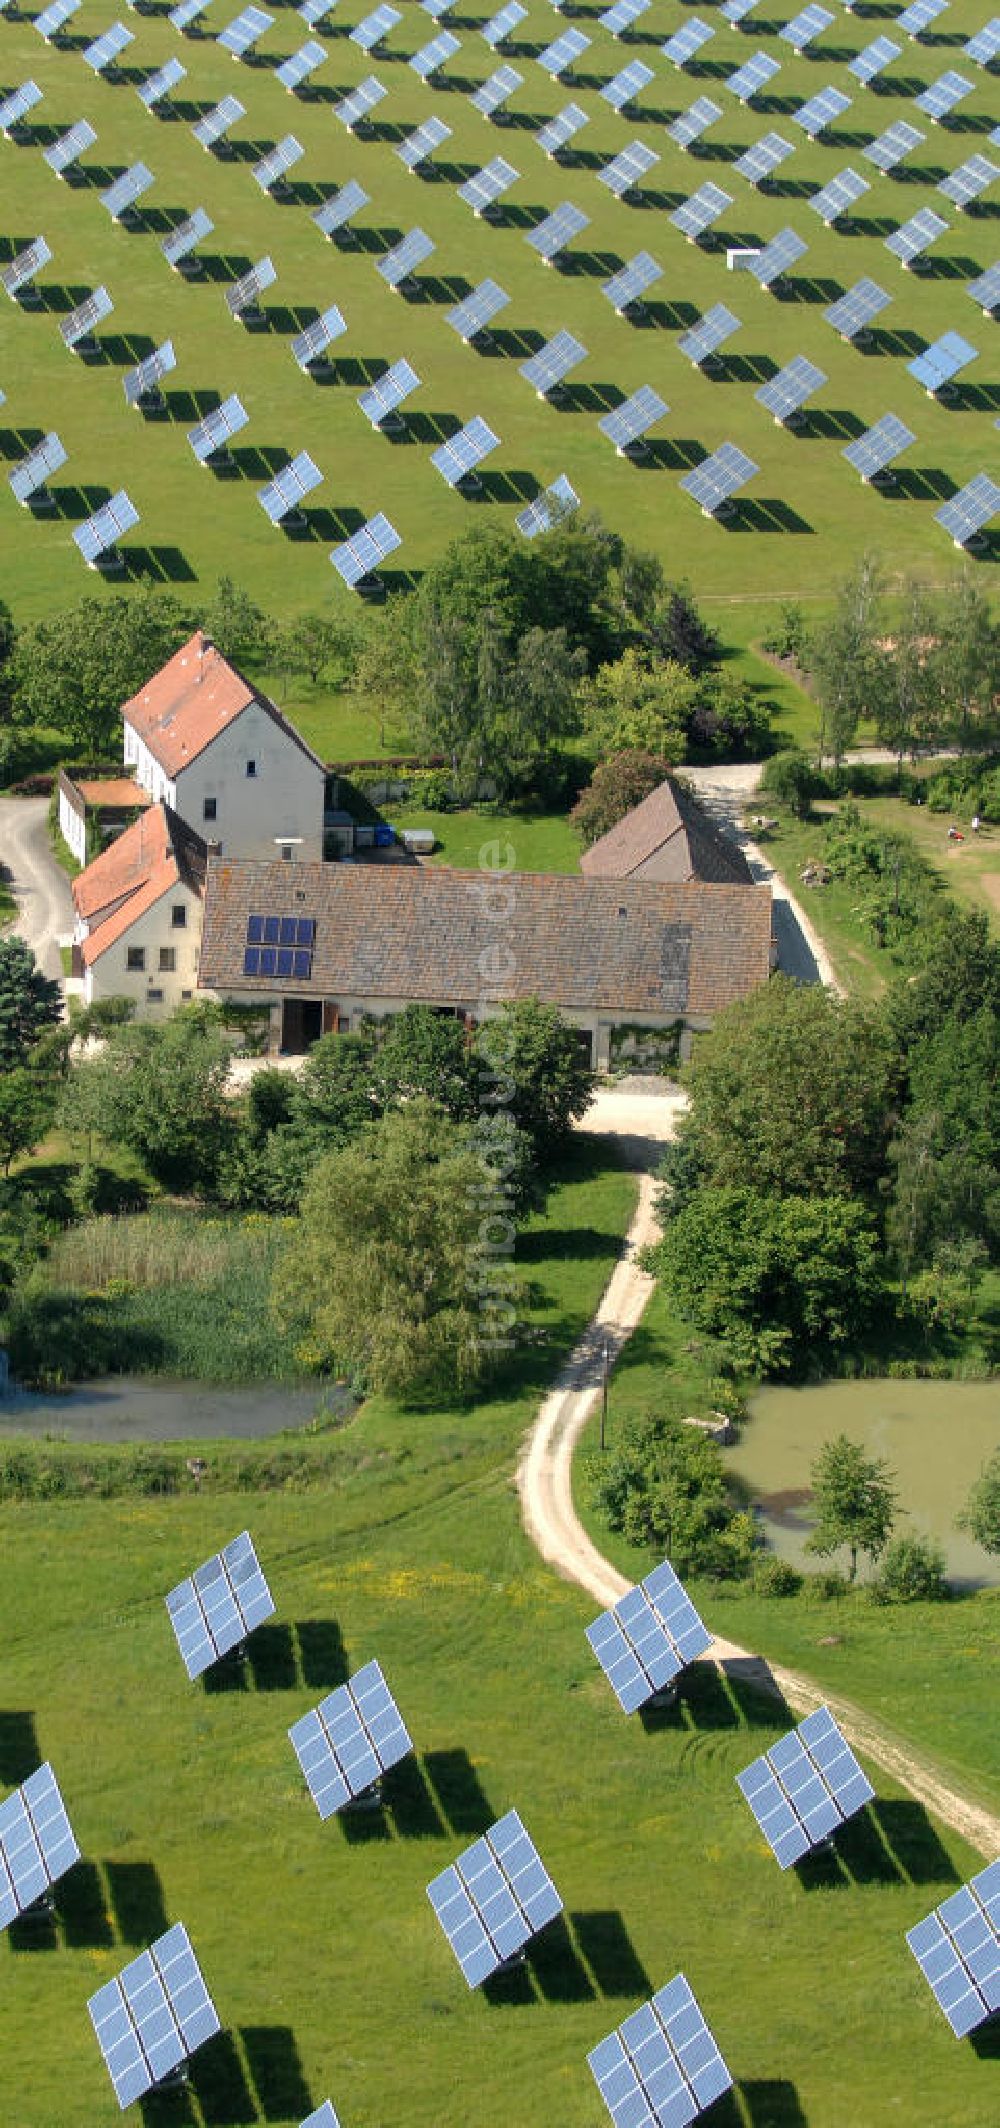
(772, 264)
(627, 425)
(458, 459)
(122, 198)
(627, 85)
(957, 1948)
(29, 486)
(324, 2116)
(805, 1787)
(916, 19)
(645, 1641)
(414, 151)
(297, 71)
(97, 539)
(686, 42)
(103, 55)
(661, 2068)
(243, 297)
(67, 150)
(141, 385)
(969, 181)
(380, 404)
(821, 111)
(313, 12)
(357, 559)
(760, 161)
(941, 98)
(985, 289)
(178, 247)
(471, 318)
(698, 213)
(490, 98)
(335, 213)
(914, 237)
(558, 501)
(15, 108)
(736, 12)
(692, 123)
(853, 313)
(309, 347)
(272, 172)
(838, 196)
(53, 19)
(871, 455)
(940, 364)
(898, 141)
(626, 288)
(210, 131)
(624, 174)
(282, 498)
(485, 188)
(702, 343)
(805, 27)
(186, 13)
(984, 47)
(246, 29)
(784, 395)
(561, 129)
(347, 1744)
(558, 229)
(549, 368)
(37, 1843)
(156, 89)
(753, 76)
(356, 109)
(623, 16)
(502, 25)
(215, 1610)
(967, 514)
(77, 328)
(561, 55)
(374, 28)
(868, 65)
(18, 276)
(151, 2018)
(714, 483)
(494, 1899)
(398, 267)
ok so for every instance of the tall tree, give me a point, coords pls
(981, 1513)
(845, 659)
(854, 1498)
(75, 669)
(907, 708)
(238, 626)
(27, 1104)
(534, 1069)
(30, 1002)
(967, 657)
(162, 1092)
(636, 703)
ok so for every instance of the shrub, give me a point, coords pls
(912, 1571)
(775, 1577)
(793, 780)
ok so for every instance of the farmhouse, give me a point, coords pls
(138, 914)
(668, 836)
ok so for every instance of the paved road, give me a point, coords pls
(45, 906)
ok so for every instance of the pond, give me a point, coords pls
(126, 1408)
(935, 1436)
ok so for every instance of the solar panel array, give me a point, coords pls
(482, 190)
(29, 477)
(216, 123)
(985, 289)
(783, 251)
(868, 65)
(915, 236)
(98, 536)
(625, 172)
(853, 313)
(336, 212)
(649, 1637)
(561, 129)
(622, 16)
(561, 55)
(968, 513)
(271, 172)
(211, 436)
(839, 195)
(784, 395)
(213, 1611)
(546, 509)
(53, 19)
(457, 459)
(892, 146)
(422, 142)
(245, 30)
(400, 264)
(15, 107)
(753, 76)
(970, 180)
(180, 243)
(153, 2016)
(558, 229)
(661, 2068)
(358, 106)
(473, 314)
(711, 332)
(375, 27)
(984, 47)
(805, 1787)
(300, 66)
(324, 2117)
(121, 197)
(692, 123)
(503, 23)
(434, 55)
(68, 149)
(381, 402)
(37, 1845)
(19, 275)
(957, 1949)
(77, 328)
(244, 295)
(357, 560)
(697, 214)
(282, 497)
(497, 90)
(942, 361)
(143, 382)
(762, 159)
(871, 453)
(714, 482)
(157, 86)
(627, 424)
(309, 347)
(106, 51)
(494, 1899)
(627, 287)
(821, 111)
(546, 370)
(941, 98)
(806, 26)
(686, 42)
(627, 85)
(351, 1739)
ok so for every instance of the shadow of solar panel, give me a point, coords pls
(100, 533)
(691, 124)
(661, 2068)
(761, 160)
(473, 314)
(494, 1899)
(219, 1605)
(22, 269)
(628, 423)
(968, 513)
(957, 1948)
(788, 391)
(685, 42)
(346, 1743)
(561, 128)
(649, 1637)
(752, 76)
(867, 65)
(37, 1845)
(335, 213)
(68, 149)
(871, 453)
(156, 2013)
(942, 361)
(143, 381)
(629, 285)
(804, 1787)
(31, 475)
(216, 124)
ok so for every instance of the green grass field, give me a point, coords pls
(808, 509)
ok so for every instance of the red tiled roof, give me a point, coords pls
(670, 824)
(153, 855)
(191, 700)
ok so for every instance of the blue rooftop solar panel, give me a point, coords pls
(942, 361)
(871, 453)
(494, 1899)
(156, 2013)
(807, 1785)
(346, 1743)
(37, 1845)
(648, 1638)
(214, 1610)
(957, 1948)
(661, 2068)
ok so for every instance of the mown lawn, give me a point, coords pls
(540, 842)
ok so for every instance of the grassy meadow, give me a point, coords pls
(809, 511)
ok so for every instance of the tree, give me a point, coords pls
(26, 1107)
(615, 787)
(533, 1067)
(664, 1484)
(967, 657)
(729, 721)
(497, 700)
(981, 1513)
(636, 704)
(912, 1571)
(30, 1002)
(317, 644)
(907, 708)
(845, 660)
(75, 669)
(380, 1274)
(854, 1499)
(385, 666)
(679, 634)
(790, 778)
(161, 1092)
(238, 627)
(426, 1052)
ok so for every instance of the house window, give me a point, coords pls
(186, 993)
(154, 997)
(286, 851)
(343, 1024)
(251, 768)
(167, 960)
(209, 810)
(135, 959)
(178, 916)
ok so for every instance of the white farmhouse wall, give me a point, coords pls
(153, 933)
(148, 772)
(281, 801)
(73, 828)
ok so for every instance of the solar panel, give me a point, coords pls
(697, 214)
(970, 511)
(375, 27)
(630, 283)
(356, 107)
(805, 1787)
(897, 141)
(213, 1611)
(661, 2068)
(710, 333)
(957, 1949)
(783, 396)
(805, 27)
(622, 16)
(383, 398)
(186, 12)
(99, 535)
(271, 172)
(852, 313)
(350, 1740)
(169, 76)
(750, 78)
(494, 1899)
(942, 95)
(283, 496)
(53, 19)
(457, 459)
(244, 31)
(143, 382)
(280, 945)
(28, 479)
(243, 297)
(300, 65)
(839, 196)
(399, 264)
(216, 123)
(313, 12)
(496, 90)
(436, 8)
(776, 257)
(180, 243)
(502, 23)
(68, 149)
(421, 143)
(984, 47)
(821, 110)
(156, 2013)
(37, 1846)
(919, 17)
(969, 180)
(324, 2117)
(867, 65)
(627, 84)
(557, 230)
(309, 347)
(473, 314)
(986, 289)
(358, 558)
(561, 129)
(693, 123)
(78, 325)
(546, 370)
(335, 213)
(735, 11)
(714, 482)
(19, 275)
(763, 158)
(107, 50)
(871, 453)
(941, 362)
(627, 169)
(121, 197)
(482, 190)
(432, 56)
(685, 42)
(559, 56)
(915, 236)
(648, 1638)
(546, 510)
(15, 107)
(627, 424)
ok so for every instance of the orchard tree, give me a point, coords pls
(615, 788)
(845, 659)
(30, 1002)
(981, 1513)
(75, 669)
(160, 1090)
(854, 1498)
(907, 708)
(238, 627)
(967, 657)
(27, 1104)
